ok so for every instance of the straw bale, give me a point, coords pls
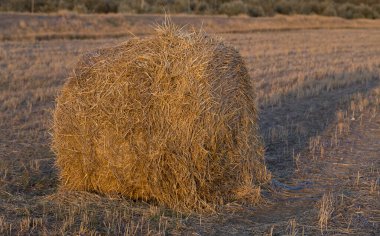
(170, 118)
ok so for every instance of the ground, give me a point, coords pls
(318, 88)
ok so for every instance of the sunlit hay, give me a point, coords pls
(170, 118)
(326, 208)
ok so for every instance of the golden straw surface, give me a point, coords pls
(170, 118)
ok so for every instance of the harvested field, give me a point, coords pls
(318, 91)
(16, 26)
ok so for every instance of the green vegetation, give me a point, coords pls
(349, 9)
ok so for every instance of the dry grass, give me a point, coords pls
(316, 90)
(292, 227)
(326, 209)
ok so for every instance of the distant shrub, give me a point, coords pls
(202, 7)
(351, 11)
(67, 4)
(233, 8)
(256, 7)
(18, 5)
(256, 11)
(284, 7)
(97, 6)
(125, 7)
(329, 10)
(27, 6)
(376, 8)
(312, 8)
(348, 11)
(80, 8)
(367, 11)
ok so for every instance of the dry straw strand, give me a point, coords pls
(170, 118)
(326, 209)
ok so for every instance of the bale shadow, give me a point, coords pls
(288, 128)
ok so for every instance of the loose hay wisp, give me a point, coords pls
(171, 118)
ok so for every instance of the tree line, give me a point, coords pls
(349, 9)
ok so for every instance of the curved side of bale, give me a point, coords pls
(170, 118)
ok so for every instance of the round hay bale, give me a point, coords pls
(170, 118)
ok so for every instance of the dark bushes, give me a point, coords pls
(96, 6)
(87, 6)
(256, 11)
(284, 7)
(349, 9)
(233, 8)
